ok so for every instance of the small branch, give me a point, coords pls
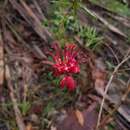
(37, 51)
(104, 21)
(107, 87)
(112, 51)
(26, 12)
(39, 9)
(123, 99)
(47, 62)
(1, 63)
(18, 115)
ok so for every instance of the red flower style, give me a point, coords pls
(65, 62)
(69, 82)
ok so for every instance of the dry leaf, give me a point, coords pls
(87, 117)
(29, 126)
(80, 117)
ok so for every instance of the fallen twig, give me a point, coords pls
(26, 12)
(35, 50)
(39, 9)
(123, 99)
(18, 115)
(107, 87)
(1, 63)
(104, 21)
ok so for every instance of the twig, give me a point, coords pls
(104, 21)
(114, 54)
(121, 19)
(125, 95)
(37, 21)
(37, 51)
(18, 115)
(107, 87)
(26, 12)
(39, 9)
(1, 63)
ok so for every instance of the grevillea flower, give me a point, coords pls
(65, 63)
(69, 82)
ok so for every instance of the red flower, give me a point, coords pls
(68, 82)
(65, 62)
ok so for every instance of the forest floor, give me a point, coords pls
(32, 97)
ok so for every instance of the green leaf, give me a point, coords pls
(24, 107)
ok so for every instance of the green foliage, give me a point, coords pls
(52, 79)
(56, 81)
(62, 14)
(89, 36)
(110, 66)
(64, 18)
(24, 107)
(111, 126)
(49, 108)
(60, 5)
(50, 76)
(65, 25)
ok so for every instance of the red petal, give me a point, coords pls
(68, 50)
(57, 51)
(75, 69)
(69, 82)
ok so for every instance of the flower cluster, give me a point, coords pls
(65, 62)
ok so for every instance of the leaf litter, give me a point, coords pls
(24, 40)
